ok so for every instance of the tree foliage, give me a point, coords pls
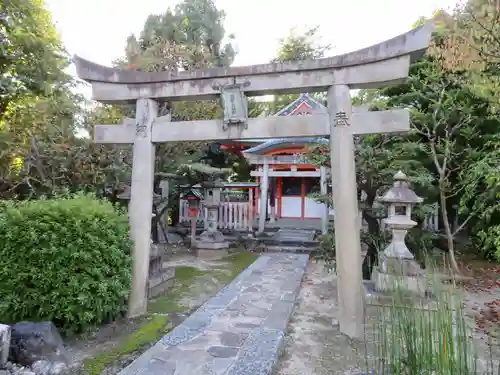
(298, 46)
(189, 36)
(38, 110)
(32, 57)
(449, 153)
(451, 121)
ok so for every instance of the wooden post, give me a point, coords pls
(272, 199)
(324, 191)
(193, 225)
(250, 209)
(264, 181)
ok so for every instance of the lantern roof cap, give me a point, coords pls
(400, 176)
(401, 192)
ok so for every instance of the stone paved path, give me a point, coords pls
(240, 331)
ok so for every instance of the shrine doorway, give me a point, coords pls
(293, 196)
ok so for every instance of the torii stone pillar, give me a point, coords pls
(377, 66)
(141, 202)
(345, 200)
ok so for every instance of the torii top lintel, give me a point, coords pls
(371, 67)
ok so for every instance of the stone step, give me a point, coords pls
(240, 331)
(299, 235)
(286, 249)
(274, 242)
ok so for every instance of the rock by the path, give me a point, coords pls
(61, 368)
(4, 345)
(34, 341)
(42, 367)
(25, 372)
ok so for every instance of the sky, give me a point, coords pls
(97, 29)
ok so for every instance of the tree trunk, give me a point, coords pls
(371, 257)
(154, 230)
(449, 234)
(154, 220)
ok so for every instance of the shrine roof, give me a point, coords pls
(281, 143)
(226, 185)
(304, 100)
(303, 105)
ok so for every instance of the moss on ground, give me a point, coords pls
(237, 263)
(155, 324)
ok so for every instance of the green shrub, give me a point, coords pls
(65, 260)
(326, 249)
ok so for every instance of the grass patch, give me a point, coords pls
(152, 327)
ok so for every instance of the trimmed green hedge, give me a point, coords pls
(65, 260)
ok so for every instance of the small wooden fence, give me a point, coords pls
(239, 216)
(232, 215)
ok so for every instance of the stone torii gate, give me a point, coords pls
(377, 66)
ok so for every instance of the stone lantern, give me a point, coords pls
(397, 266)
(212, 194)
(212, 239)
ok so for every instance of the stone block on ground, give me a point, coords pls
(211, 250)
(34, 341)
(385, 282)
(160, 278)
(161, 281)
(4, 345)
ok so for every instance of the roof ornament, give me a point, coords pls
(235, 104)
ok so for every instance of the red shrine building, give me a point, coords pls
(290, 180)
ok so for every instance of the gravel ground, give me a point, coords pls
(314, 344)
